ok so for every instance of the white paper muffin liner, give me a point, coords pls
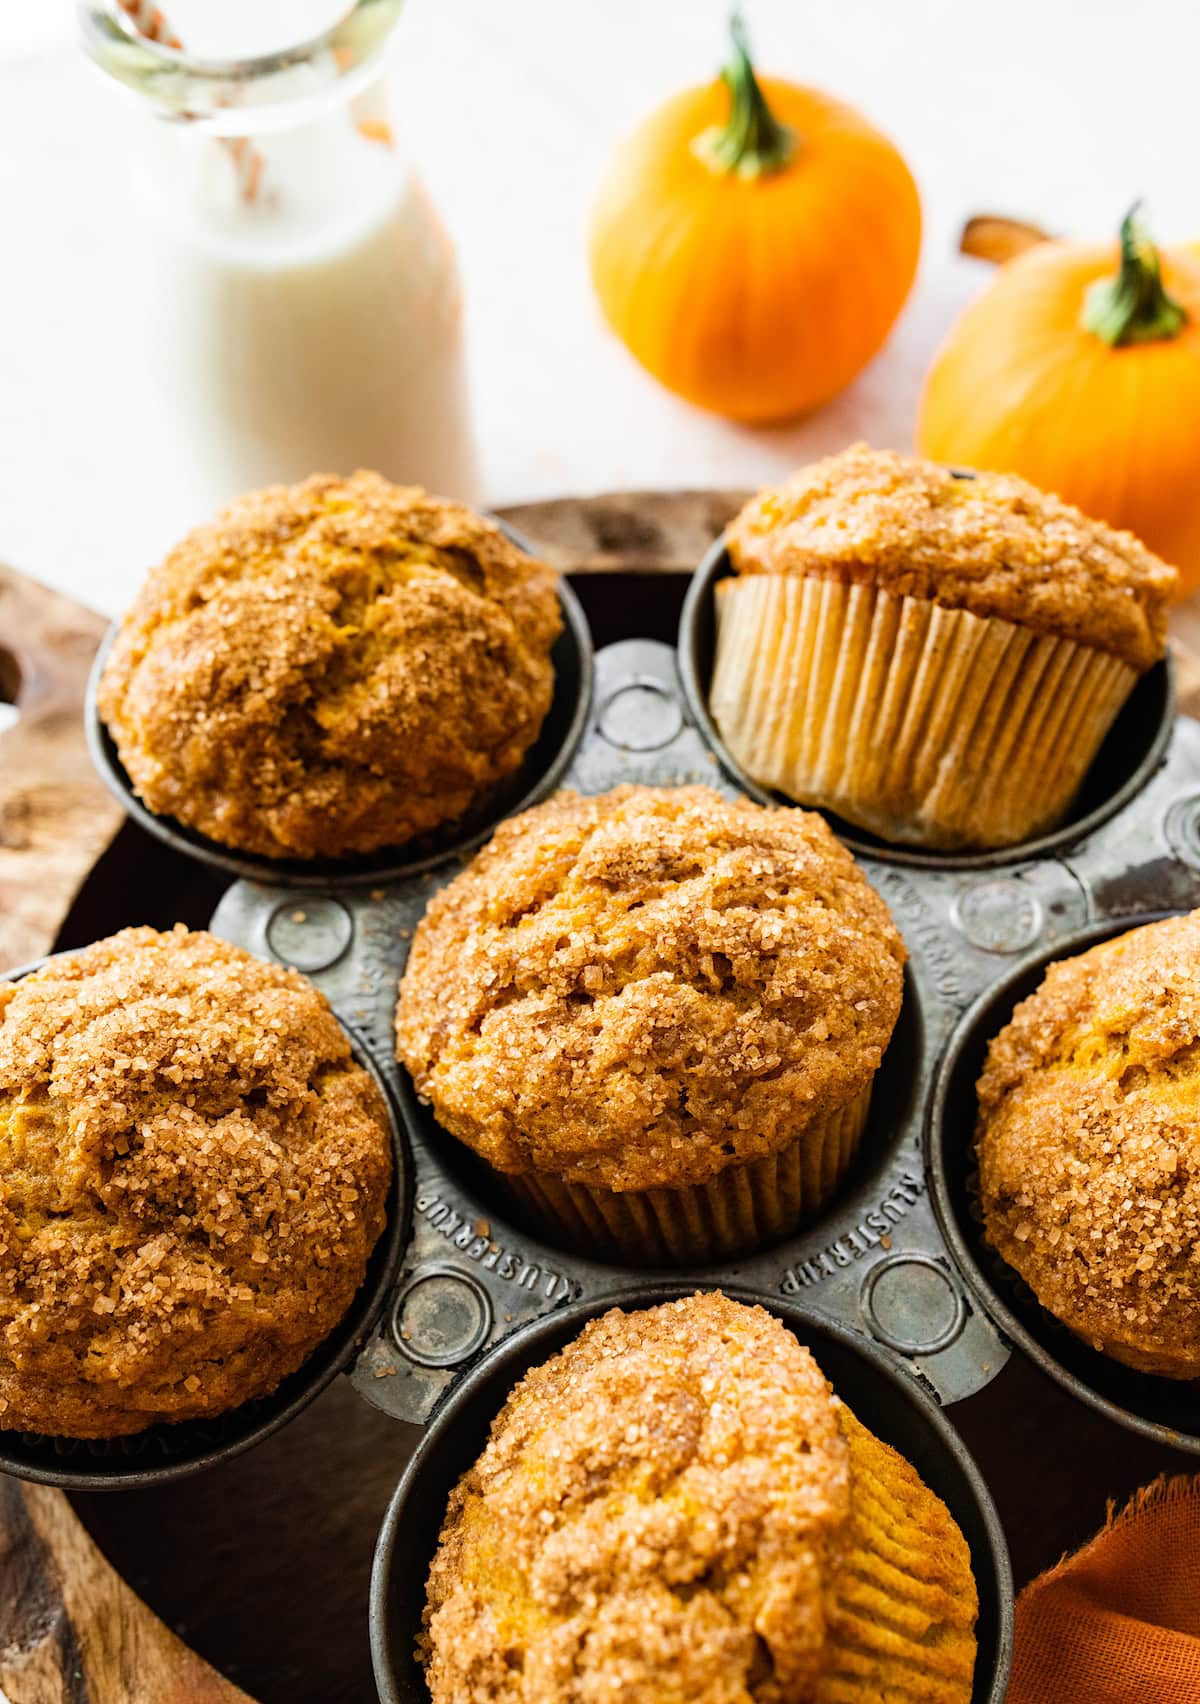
(929, 726)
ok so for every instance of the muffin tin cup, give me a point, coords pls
(541, 771)
(872, 1381)
(1161, 1409)
(178, 1449)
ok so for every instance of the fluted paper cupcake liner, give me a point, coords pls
(902, 1622)
(928, 726)
(741, 1209)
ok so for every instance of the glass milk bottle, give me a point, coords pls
(303, 309)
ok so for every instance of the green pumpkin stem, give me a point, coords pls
(1133, 306)
(752, 142)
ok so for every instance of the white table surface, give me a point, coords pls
(1059, 110)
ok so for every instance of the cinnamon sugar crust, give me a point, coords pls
(1089, 1145)
(656, 1518)
(332, 667)
(992, 544)
(638, 989)
(193, 1174)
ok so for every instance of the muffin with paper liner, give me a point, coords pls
(678, 1506)
(657, 1015)
(935, 658)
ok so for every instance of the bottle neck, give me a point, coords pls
(240, 96)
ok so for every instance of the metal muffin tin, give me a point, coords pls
(890, 1283)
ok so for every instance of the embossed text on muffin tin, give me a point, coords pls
(464, 1232)
(871, 1232)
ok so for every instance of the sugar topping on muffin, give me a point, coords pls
(193, 1174)
(639, 989)
(332, 667)
(664, 1501)
(1089, 1145)
(677, 1506)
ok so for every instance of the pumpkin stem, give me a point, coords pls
(752, 142)
(1133, 307)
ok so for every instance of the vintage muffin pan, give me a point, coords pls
(891, 1286)
(878, 1259)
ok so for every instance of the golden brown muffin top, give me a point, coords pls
(331, 667)
(992, 544)
(638, 989)
(656, 1519)
(193, 1172)
(1089, 1143)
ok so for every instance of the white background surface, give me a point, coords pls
(1058, 110)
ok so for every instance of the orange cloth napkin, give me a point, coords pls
(1118, 1622)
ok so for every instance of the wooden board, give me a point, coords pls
(55, 817)
(262, 1565)
(70, 1631)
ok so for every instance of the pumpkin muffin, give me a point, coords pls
(193, 1174)
(677, 1510)
(330, 668)
(1089, 1145)
(658, 1014)
(937, 659)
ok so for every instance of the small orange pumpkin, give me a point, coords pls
(752, 243)
(1079, 367)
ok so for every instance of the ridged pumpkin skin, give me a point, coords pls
(1020, 386)
(758, 298)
